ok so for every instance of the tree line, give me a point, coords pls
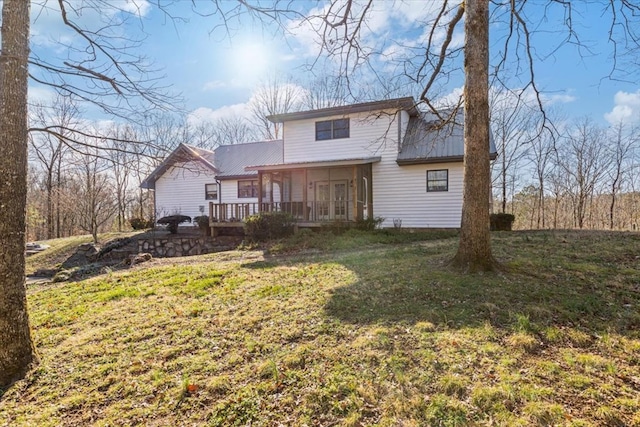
(576, 173)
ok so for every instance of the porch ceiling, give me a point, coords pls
(309, 165)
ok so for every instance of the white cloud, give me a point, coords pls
(243, 109)
(205, 114)
(382, 19)
(558, 98)
(49, 31)
(626, 108)
(451, 99)
(40, 94)
(136, 7)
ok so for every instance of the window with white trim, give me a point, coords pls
(211, 191)
(332, 129)
(438, 180)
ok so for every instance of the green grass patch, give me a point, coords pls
(351, 330)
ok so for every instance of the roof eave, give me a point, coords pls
(312, 165)
(232, 177)
(150, 181)
(427, 160)
(408, 104)
(442, 159)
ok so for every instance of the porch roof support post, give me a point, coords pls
(271, 200)
(370, 190)
(354, 192)
(305, 199)
(259, 191)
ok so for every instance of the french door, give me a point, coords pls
(331, 200)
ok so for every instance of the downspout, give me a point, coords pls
(399, 130)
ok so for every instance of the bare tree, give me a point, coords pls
(274, 96)
(540, 154)
(49, 150)
(514, 127)
(324, 92)
(620, 149)
(581, 158)
(95, 199)
(222, 131)
(16, 348)
(103, 67)
(474, 250)
(234, 130)
(122, 163)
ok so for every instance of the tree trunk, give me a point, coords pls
(504, 178)
(49, 185)
(16, 348)
(474, 251)
(58, 191)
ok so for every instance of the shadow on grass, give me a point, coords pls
(543, 286)
(570, 288)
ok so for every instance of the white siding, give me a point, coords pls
(181, 190)
(368, 137)
(400, 192)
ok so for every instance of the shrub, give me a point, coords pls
(202, 221)
(141, 223)
(203, 224)
(369, 224)
(172, 222)
(501, 221)
(268, 225)
(336, 227)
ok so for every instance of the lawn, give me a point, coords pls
(357, 330)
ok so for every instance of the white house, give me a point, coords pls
(381, 159)
(191, 178)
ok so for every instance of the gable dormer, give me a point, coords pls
(345, 132)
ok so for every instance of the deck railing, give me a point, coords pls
(319, 211)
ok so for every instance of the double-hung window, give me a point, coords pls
(438, 180)
(211, 191)
(247, 188)
(332, 129)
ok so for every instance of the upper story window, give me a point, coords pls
(438, 180)
(211, 191)
(332, 129)
(247, 188)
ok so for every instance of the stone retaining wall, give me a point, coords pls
(185, 246)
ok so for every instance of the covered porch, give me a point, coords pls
(313, 193)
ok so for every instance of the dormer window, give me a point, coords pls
(332, 129)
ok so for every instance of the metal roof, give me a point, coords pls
(408, 104)
(231, 160)
(429, 141)
(226, 161)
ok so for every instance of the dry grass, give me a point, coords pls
(384, 336)
(63, 248)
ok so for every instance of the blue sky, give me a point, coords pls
(216, 73)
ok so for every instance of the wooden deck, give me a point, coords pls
(225, 215)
